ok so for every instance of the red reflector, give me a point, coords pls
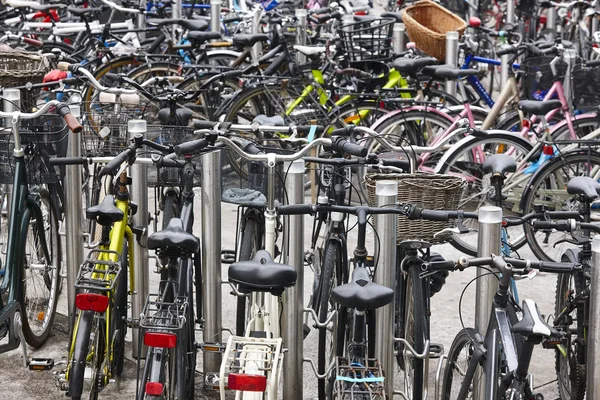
(548, 150)
(247, 383)
(91, 301)
(159, 339)
(526, 123)
(360, 13)
(474, 22)
(504, 223)
(154, 388)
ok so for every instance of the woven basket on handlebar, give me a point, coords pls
(431, 191)
(19, 67)
(427, 23)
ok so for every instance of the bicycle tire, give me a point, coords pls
(459, 160)
(463, 340)
(88, 340)
(49, 277)
(570, 370)
(248, 246)
(555, 175)
(119, 320)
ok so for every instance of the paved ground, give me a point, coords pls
(20, 383)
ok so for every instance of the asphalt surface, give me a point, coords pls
(17, 382)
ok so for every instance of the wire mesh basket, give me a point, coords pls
(367, 40)
(357, 381)
(158, 314)
(42, 139)
(537, 76)
(586, 88)
(430, 191)
(20, 67)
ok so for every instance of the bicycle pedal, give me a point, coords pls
(61, 382)
(436, 350)
(211, 347)
(41, 364)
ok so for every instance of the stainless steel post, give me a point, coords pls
(257, 48)
(398, 38)
(215, 15)
(176, 13)
(386, 193)
(510, 11)
(593, 347)
(473, 7)
(595, 21)
(570, 58)
(301, 15)
(11, 102)
(211, 255)
(73, 208)
(451, 58)
(551, 22)
(139, 194)
(141, 21)
(489, 242)
(293, 298)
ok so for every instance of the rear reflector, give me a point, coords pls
(154, 388)
(159, 339)
(91, 301)
(247, 383)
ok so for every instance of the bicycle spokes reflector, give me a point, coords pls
(247, 383)
(91, 301)
(159, 339)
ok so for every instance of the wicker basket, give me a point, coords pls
(19, 67)
(431, 191)
(427, 23)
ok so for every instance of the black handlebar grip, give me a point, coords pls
(556, 267)
(506, 49)
(190, 147)
(248, 146)
(446, 265)
(68, 161)
(564, 215)
(296, 209)
(434, 215)
(342, 131)
(115, 163)
(544, 224)
(342, 146)
(308, 128)
(394, 162)
(204, 124)
(233, 73)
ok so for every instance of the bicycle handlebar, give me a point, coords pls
(77, 69)
(499, 263)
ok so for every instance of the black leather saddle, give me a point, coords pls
(174, 236)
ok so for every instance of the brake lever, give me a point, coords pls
(447, 230)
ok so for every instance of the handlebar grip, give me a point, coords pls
(115, 163)
(394, 162)
(430, 215)
(65, 66)
(322, 10)
(556, 267)
(233, 73)
(446, 265)
(68, 161)
(296, 209)
(564, 215)
(191, 147)
(308, 128)
(204, 124)
(544, 224)
(65, 112)
(342, 131)
(341, 145)
(507, 49)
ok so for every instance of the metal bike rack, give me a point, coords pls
(551, 22)
(570, 58)
(141, 21)
(489, 242)
(176, 13)
(293, 297)
(10, 103)
(510, 11)
(399, 33)
(139, 193)
(301, 17)
(211, 255)
(593, 342)
(451, 58)
(257, 48)
(215, 15)
(386, 193)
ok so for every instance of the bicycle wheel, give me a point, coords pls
(570, 365)
(88, 355)
(119, 320)
(41, 272)
(415, 332)
(459, 358)
(170, 208)
(161, 367)
(548, 187)
(465, 159)
(248, 246)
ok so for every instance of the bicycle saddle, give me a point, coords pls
(532, 323)
(362, 293)
(246, 40)
(199, 37)
(174, 236)
(446, 71)
(162, 22)
(310, 51)
(499, 164)
(78, 12)
(194, 24)
(262, 274)
(106, 212)
(262, 119)
(584, 186)
(535, 107)
(413, 65)
(396, 15)
(182, 116)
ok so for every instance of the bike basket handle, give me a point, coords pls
(295, 209)
(65, 112)
(68, 161)
(191, 147)
(342, 146)
(115, 163)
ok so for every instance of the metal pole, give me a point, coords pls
(211, 255)
(386, 193)
(594, 21)
(473, 6)
(510, 11)
(451, 58)
(570, 57)
(293, 298)
(73, 207)
(139, 193)
(11, 102)
(489, 242)
(593, 347)
(551, 22)
(176, 14)
(141, 21)
(257, 48)
(301, 17)
(398, 38)
(215, 15)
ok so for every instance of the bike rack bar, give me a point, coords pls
(211, 255)
(11, 102)
(215, 15)
(398, 37)
(293, 297)
(510, 11)
(489, 242)
(301, 17)
(386, 193)
(451, 58)
(176, 14)
(551, 22)
(257, 49)
(570, 57)
(73, 208)
(593, 360)
(141, 21)
(139, 193)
